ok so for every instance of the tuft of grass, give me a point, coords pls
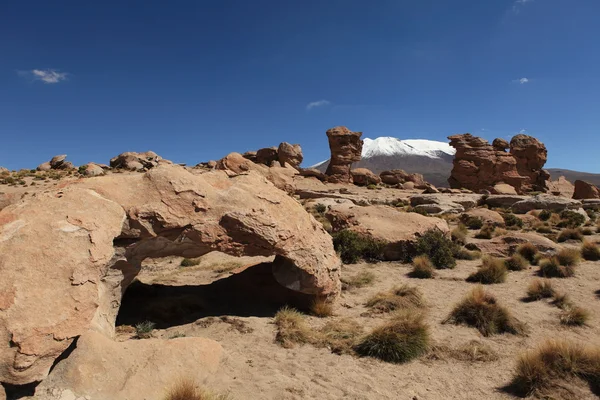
(569, 234)
(574, 316)
(482, 311)
(540, 370)
(177, 335)
(568, 257)
(473, 351)
(512, 221)
(189, 262)
(544, 215)
(540, 289)
(587, 231)
(438, 248)
(341, 335)
(321, 308)
(561, 300)
(493, 270)
(487, 232)
(516, 262)
(463, 254)
(528, 251)
(474, 223)
(404, 338)
(187, 389)
(422, 268)
(570, 219)
(400, 297)
(353, 246)
(590, 251)
(292, 328)
(551, 268)
(543, 229)
(359, 280)
(143, 330)
(459, 234)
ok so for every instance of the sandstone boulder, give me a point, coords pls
(313, 172)
(104, 369)
(44, 167)
(291, 154)
(396, 176)
(561, 187)
(399, 229)
(531, 156)
(485, 215)
(267, 156)
(364, 177)
(591, 204)
(545, 202)
(585, 190)
(84, 242)
(250, 155)
(346, 148)
(500, 144)
(3, 170)
(504, 246)
(503, 188)
(57, 161)
(92, 169)
(444, 203)
(503, 201)
(136, 161)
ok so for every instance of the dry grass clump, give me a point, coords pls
(189, 262)
(321, 308)
(473, 351)
(481, 310)
(292, 328)
(561, 300)
(402, 339)
(528, 251)
(186, 389)
(474, 223)
(359, 280)
(464, 254)
(574, 316)
(487, 232)
(569, 234)
(587, 231)
(493, 270)
(554, 362)
(590, 251)
(516, 262)
(398, 298)
(543, 228)
(568, 257)
(551, 268)
(340, 336)
(459, 234)
(540, 289)
(422, 268)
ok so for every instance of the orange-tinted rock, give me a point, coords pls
(396, 176)
(266, 156)
(346, 148)
(531, 156)
(291, 154)
(364, 177)
(561, 187)
(585, 190)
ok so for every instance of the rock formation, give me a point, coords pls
(267, 156)
(92, 169)
(346, 148)
(585, 190)
(57, 162)
(531, 156)
(364, 177)
(481, 166)
(83, 242)
(291, 154)
(395, 176)
(561, 187)
(137, 161)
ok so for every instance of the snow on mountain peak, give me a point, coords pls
(390, 146)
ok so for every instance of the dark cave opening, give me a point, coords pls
(252, 292)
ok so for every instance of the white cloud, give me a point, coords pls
(45, 75)
(520, 3)
(523, 131)
(522, 81)
(319, 103)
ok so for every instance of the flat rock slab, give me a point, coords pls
(504, 246)
(545, 202)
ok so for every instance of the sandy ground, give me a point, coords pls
(254, 366)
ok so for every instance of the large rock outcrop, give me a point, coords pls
(480, 166)
(290, 154)
(346, 148)
(57, 162)
(364, 177)
(68, 254)
(137, 161)
(585, 190)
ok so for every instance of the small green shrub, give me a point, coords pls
(353, 246)
(551, 268)
(568, 257)
(590, 251)
(422, 268)
(371, 186)
(405, 338)
(544, 215)
(292, 328)
(487, 232)
(189, 262)
(511, 220)
(587, 231)
(516, 262)
(569, 234)
(544, 229)
(570, 219)
(474, 223)
(82, 169)
(438, 248)
(493, 270)
(143, 330)
(320, 208)
(528, 251)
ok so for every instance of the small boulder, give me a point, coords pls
(561, 187)
(500, 144)
(250, 155)
(364, 177)
(92, 169)
(585, 190)
(136, 161)
(291, 154)
(503, 200)
(267, 156)
(3, 170)
(313, 172)
(484, 214)
(504, 246)
(44, 167)
(503, 188)
(544, 202)
(57, 161)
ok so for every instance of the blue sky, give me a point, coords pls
(195, 80)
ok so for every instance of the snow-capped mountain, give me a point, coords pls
(428, 157)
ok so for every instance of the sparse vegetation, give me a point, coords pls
(371, 186)
(574, 316)
(474, 223)
(353, 246)
(528, 251)
(487, 232)
(516, 262)
(551, 268)
(189, 262)
(187, 389)
(473, 351)
(321, 308)
(422, 268)
(561, 300)
(587, 231)
(340, 336)
(569, 234)
(540, 289)
(492, 270)
(400, 297)
(543, 228)
(544, 215)
(359, 280)
(177, 335)
(464, 254)
(404, 338)
(570, 219)
(292, 328)
(320, 208)
(481, 310)
(511, 220)
(459, 234)
(568, 257)
(553, 362)
(144, 330)
(438, 248)
(590, 251)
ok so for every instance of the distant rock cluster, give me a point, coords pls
(286, 153)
